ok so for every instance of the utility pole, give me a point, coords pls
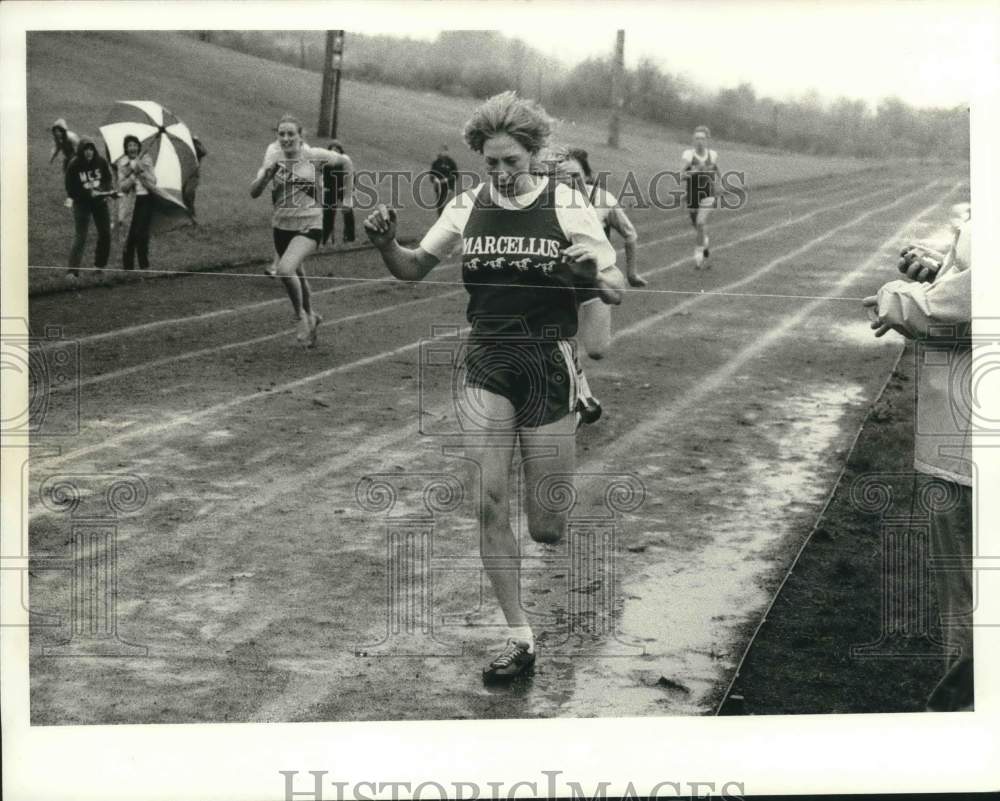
(329, 100)
(617, 90)
(338, 60)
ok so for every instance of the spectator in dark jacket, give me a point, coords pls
(88, 184)
(333, 195)
(444, 170)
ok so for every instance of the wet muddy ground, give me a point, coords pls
(262, 577)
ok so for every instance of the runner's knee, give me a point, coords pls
(287, 267)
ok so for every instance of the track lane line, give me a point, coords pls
(190, 417)
(639, 433)
(243, 343)
(134, 369)
(205, 316)
(646, 322)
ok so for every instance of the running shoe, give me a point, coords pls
(304, 328)
(512, 662)
(314, 332)
(588, 410)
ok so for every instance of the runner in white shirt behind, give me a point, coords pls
(295, 172)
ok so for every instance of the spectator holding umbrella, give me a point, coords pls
(136, 181)
(88, 184)
(333, 196)
(168, 144)
(444, 171)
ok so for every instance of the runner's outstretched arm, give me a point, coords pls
(407, 264)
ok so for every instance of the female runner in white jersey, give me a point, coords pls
(700, 168)
(295, 171)
(527, 241)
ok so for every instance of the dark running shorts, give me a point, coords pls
(283, 238)
(537, 376)
(704, 202)
(700, 185)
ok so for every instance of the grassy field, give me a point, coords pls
(801, 662)
(232, 102)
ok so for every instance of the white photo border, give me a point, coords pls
(802, 754)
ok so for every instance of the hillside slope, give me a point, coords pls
(232, 102)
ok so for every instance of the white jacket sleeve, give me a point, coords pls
(913, 309)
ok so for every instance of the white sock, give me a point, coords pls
(706, 241)
(522, 634)
(699, 255)
(583, 386)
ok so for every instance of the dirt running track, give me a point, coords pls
(263, 583)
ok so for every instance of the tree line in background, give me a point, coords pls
(806, 124)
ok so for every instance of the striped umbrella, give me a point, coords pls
(164, 137)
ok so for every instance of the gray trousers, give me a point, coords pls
(83, 210)
(951, 539)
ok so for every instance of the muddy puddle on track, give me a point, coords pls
(651, 621)
(692, 566)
